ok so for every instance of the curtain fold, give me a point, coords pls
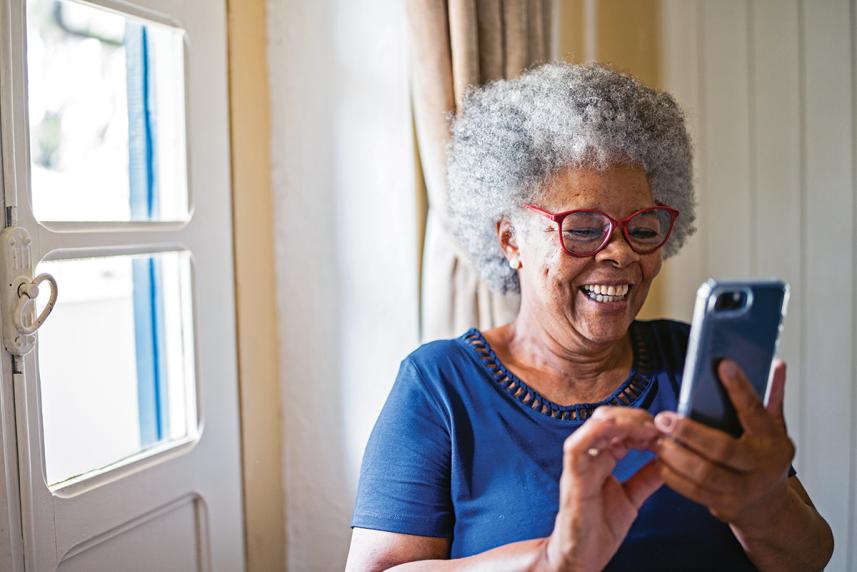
(456, 44)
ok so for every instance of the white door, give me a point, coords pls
(120, 426)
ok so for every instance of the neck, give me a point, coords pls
(566, 362)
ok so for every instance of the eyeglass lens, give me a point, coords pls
(585, 232)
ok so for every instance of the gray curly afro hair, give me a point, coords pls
(512, 135)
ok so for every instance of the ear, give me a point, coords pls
(508, 239)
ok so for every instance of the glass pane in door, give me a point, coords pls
(106, 112)
(116, 366)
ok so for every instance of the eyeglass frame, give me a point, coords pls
(614, 223)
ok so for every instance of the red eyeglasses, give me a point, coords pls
(585, 232)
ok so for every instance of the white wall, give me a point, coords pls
(769, 86)
(346, 245)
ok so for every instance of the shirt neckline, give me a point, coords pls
(630, 393)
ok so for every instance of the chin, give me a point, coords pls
(605, 334)
(604, 322)
(604, 328)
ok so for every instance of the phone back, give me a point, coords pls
(736, 320)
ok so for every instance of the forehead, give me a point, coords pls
(618, 190)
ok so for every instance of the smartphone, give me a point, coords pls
(740, 321)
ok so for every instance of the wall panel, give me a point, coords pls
(773, 121)
(827, 110)
(681, 41)
(776, 189)
(724, 145)
(851, 537)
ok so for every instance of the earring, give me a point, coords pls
(515, 263)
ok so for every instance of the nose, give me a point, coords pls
(617, 252)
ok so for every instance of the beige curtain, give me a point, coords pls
(456, 44)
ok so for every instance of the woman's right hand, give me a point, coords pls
(596, 510)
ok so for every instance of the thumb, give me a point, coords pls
(644, 482)
(776, 395)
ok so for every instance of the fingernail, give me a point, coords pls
(665, 421)
(729, 369)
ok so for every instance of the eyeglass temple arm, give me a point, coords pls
(542, 212)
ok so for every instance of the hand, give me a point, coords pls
(595, 510)
(742, 481)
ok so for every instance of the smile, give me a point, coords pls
(604, 293)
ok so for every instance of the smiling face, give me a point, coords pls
(591, 299)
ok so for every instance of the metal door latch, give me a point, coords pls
(17, 303)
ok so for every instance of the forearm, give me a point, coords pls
(527, 555)
(795, 538)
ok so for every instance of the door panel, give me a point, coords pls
(171, 538)
(163, 499)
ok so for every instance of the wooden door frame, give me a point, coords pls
(252, 208)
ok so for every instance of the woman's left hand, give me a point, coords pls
(742, 481)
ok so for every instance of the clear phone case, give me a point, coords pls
(736, 320)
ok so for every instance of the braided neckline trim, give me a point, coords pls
(630, 393)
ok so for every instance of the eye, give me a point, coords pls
(583, 233)
(643, 233)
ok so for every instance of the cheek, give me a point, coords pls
(560, 272)
(652, 268)
(548, 263)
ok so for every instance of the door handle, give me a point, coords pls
(28, 291)
(20, 292)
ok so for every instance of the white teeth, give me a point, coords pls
(606, 293)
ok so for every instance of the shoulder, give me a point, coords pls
(440, 359)
(437, 368)
(672, 330)
(437, 350)
(669, 339)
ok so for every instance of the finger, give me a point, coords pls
(584, 471)
(708, 442)
(618, 448)
(643, 484)
(747, 404)
(583, 451)
(776, 396)
(687, 488)
(587, 456)
(697, 468)
(628, 414)
(634, 427)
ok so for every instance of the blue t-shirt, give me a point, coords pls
(463, 449)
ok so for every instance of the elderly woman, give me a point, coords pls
(543, 444)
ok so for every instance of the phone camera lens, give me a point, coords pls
(727, 301)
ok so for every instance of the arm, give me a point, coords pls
(373, 550)
(595, 510)
(795, 536)
(745, 481)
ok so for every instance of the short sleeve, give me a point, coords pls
(405, 476)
